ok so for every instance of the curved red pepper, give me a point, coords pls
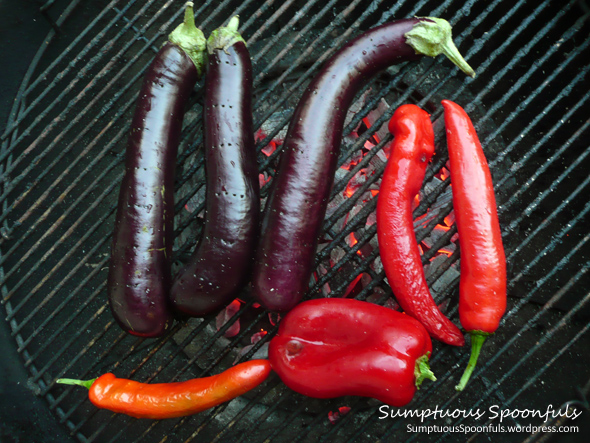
(169, 400)
(331, 347)
(482, 288)
(412, 149)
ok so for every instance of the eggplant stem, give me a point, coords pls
(432, 36)
(226, 36)
(190, 39)
(477, 340)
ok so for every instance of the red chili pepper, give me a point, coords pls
(412, 149)
(331, 347)
(482, 288)
(168, 400)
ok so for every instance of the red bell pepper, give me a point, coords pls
(332, 347)
(412, 149)
(482, 288)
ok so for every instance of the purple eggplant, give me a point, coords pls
(222, 261)
(139, 273)
(300, 191)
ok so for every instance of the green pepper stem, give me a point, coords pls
(477, 340)
(422, 371)
(71, 381)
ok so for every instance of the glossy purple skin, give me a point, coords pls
(301, 188)
(139, 271)
(221, 264)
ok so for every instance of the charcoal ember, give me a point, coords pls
(322, 270)
(269, 126)
(435, 236)
(335, 416)
(261, 353)
(377, 265)
(263, 179)
(377, 163)
(336, 254)
(225, 316)
(447, 279)
(439, 206)
(355, 108)
(371, 219)
(380, 298)
(357, 180)
(352, 160)
(366, 279)
(335, 203)
(374, 115)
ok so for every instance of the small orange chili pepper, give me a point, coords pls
(169, 400)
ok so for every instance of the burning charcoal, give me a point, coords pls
(274, 318)
(261, 353)
(335, 203)
(336, 415)
(336, 255)
(377, 163)
(257, 337)
(377, 266)
(431, 185)
(391, 304)
(355, 183)
(355, 108)
(271, 123)
(263, 179)
(448, 278)
(371, 219)
(374, 115)
(444, 306)
(326, 287)
(224, 316)
(434, 264)
(435, 235)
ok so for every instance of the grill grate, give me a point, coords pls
(62, 162)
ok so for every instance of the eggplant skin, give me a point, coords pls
(301, 188)
(139, 273)
(222, 262)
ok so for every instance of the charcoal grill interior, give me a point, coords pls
(62, 162)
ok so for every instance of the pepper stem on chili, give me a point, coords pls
(72, 381)
(422, 371)
(477, 340)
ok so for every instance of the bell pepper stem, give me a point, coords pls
(71, 381)
(422, 371)
(477, 340)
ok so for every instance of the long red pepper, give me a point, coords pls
(169, 400)
(482, 288)
(412, 149)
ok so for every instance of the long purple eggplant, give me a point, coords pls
(299, 196)
(139, 273)
(222, 261)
